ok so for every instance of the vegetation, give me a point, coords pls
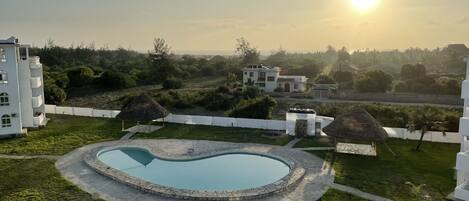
(116, 80)
(387, 175)
(172, 83)
(62, 135)
(36, 180)
(258, 108)
(425, 119)
(336, 195)
(374, 81)
(213, 133)
(324, 79)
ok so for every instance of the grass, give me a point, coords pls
(336, 195)
(197, 132)
(386, 175)
(36, 180)
(315, 142)
(63, 134)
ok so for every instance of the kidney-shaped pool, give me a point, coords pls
(226, 172)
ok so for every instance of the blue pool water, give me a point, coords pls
(218, 173)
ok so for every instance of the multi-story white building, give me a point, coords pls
(21, 89)
(462, 162)
(269, 79)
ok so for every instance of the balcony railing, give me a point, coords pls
(34, 62)
(39, 120)
(36, 82)
(38, 101)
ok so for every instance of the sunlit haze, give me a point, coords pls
(213, 26)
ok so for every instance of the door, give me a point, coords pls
(287, 87)
(301, 128)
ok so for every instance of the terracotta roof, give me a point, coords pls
(142, 108)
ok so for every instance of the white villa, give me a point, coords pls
(21, 89)
(462, 162)
(269, 79)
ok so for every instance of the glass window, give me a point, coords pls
(6, 121)
(295, 86)
(261, 84)
(271, 78)
(3, 56)
(251, 74)
(4, 101)
(3, 77)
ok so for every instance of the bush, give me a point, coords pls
(54, 94)
(374, 81)
(80, 76)
(116, 80)
(214, 100)
(258, 108)
(251, 92)
(172, 83)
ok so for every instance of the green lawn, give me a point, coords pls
(197, 132)
(63, 134)
(386, 175)
(36, 180)
(336, 195)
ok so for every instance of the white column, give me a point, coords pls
(466, 59)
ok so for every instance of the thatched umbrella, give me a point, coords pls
(142, 108)
(356, 124)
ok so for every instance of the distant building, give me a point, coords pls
(457, 49)
(462, 162)
(21, 89)
(324, 91)
(269, 79)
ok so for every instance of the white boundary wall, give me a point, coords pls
(278, 125)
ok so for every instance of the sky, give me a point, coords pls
(214, 25)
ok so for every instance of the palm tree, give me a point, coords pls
(424, 119)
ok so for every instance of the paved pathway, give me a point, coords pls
(316, 148)
(29, 156)
(357, 192)
(292, 143)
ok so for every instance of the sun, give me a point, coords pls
(364, 5)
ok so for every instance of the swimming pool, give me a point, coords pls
(225, 172)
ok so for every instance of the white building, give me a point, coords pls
(462, 162)
(269, 79)
(21, 89)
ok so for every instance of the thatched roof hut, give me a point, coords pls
(356, 124)
(142, 108)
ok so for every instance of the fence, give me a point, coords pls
(277, 125)
(81, 111)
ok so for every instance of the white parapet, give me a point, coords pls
(39, 120)
(34, 62)
(465, 89)
(36, 82)
(38, 101)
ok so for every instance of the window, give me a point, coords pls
(245, 73)
(6, 121)
(3, 56)
(295, 86)
(3, 77)
(251, 74)
(4, 99)
(271, 78)
(261, 84)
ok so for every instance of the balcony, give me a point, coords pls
(39, 120)
(464, 126)
(34, 63)
(36, 82)
(38, 101)
(462, 162)
(462, 191)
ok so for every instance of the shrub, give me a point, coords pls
(80, 76)
(374, 81)
(251, 92)
(54, 94)
(324, 79)
(172, 83)
(116, 80)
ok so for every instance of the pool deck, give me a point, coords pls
(317, 176)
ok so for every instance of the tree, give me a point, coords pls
(425, 119)
(249, 55)
(342, 76)
(343, 59)
(324, 79)
(258, 108)
(250, 92)
(162, 68)
(374, 81)
(80, 76)
(231, 78)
